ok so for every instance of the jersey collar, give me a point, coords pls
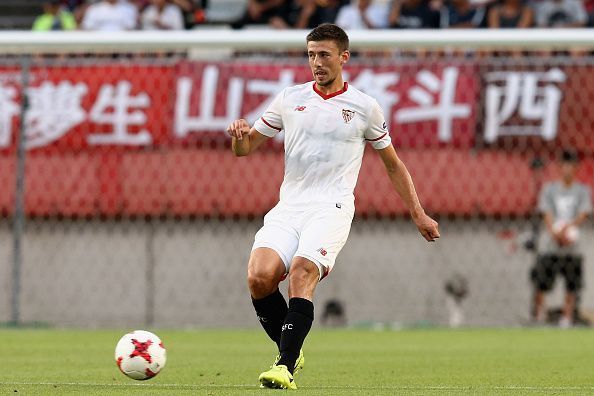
(333, 94)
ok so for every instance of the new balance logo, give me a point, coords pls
(300, 108)
(322, 251)
(347, 115)
(287, 326)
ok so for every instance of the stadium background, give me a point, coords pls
(137, 213)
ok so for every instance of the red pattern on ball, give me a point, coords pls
(141, 349)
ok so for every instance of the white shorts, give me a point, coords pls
(316, 232)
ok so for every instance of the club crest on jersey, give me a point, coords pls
(347, 115)
(322, 251)
(300, 108)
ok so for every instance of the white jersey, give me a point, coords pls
(325, 136)
(105, 16)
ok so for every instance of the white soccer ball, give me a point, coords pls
(140, 355)
(572, 233)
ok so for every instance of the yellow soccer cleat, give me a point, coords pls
(278, 377)
(298, 364)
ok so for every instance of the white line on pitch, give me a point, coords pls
(355, 387)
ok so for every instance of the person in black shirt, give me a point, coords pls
(413, 14)
(510, 14)
(462, 14)
(296, 14)
(328, 9)
(258, 12)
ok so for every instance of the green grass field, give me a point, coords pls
(338, 362)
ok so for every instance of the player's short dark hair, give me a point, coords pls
(569, 156)
(330, 31)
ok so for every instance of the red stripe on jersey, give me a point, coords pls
(273, 127)
(376, 139)
(333, 94)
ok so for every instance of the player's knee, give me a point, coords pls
(261, 283)
(303, 273)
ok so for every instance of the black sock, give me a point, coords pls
(272, 311)
(295, 329)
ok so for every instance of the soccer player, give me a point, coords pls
(327, 123)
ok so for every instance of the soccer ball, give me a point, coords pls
(572, 233)
(140, 355)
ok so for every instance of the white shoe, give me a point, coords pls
(564, 323)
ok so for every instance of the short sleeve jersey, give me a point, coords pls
(325, 136)
(564, 204)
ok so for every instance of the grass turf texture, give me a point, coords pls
(338, 362)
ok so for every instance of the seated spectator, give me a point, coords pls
(110, 15)
(363, 14)
(461, 14)
(131, 9)
(72, 5)
(259, 12)
(413, 14)
(328, 9)
(161, 15)
(296, 14)
(193, 12)
(77, 8)
(510, 14)
(54, 17)
(561, 14)
(589, 6)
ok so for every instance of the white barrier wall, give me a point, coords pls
(94, 274)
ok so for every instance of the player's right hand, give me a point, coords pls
(238, 128)
(428, 227)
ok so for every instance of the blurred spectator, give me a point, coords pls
(110, 15)
(73, 5)
(131, 9)
(328, 9)
(510, 14)
(413, 14)
(77, 8)
(565, 205)
(561, 14)
(589, 7)
(259, 12)
(192, 12)
(363, 14)
(161, 15)
(296, 14)
(54, 17)
(462, 14)
(200, 7)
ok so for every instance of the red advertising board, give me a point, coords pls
(148, 139)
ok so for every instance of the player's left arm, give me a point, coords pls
(404, 186)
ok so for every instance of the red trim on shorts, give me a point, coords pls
(326, 272)
(333, 94)
(273, 127)
(376, 139)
